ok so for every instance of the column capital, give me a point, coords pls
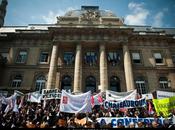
(54, 42)
(78, 46)
(102, 43)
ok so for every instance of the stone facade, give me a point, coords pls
(85, 51)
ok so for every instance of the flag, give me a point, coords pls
(18, 93)
(34, 97)
(164, 106)
(21, 102)
(96, 99)
(10, 101)
(150, 108)
(80, 103)
(15, 108)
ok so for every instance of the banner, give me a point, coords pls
(125, 104)
(80, 103)
(119, 96)
(127, 120)
(51, 94)
(34, 97)
(164, 94)
(164, 106)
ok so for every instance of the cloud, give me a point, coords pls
(51, 16)
(158, 19)
(138, 14)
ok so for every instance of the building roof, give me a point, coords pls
(86, 9)
(44, 27)
(89, 13)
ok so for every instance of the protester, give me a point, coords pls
(47, 115)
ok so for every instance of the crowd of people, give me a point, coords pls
(38, 115)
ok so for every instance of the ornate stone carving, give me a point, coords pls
(90, 15)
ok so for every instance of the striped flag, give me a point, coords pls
(96, 99)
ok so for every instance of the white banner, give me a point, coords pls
(164, 94)
(120, 96)
(51, 94)
(34, 97)
(80, 103)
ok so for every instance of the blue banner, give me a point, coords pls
(125, 104)
(127, 120)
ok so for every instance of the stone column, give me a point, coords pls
(78, 69)
(58, 79)
(11, 58)
(128, 69)
(103, 69)
(53, 68)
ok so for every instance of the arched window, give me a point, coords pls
(16, 81)
(163, 82)
(66, 83)
(140, 85)
(90, 84)
(40, 83)
(115, 84)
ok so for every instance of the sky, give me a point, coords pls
(156, 13)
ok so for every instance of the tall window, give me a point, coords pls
(69, 58)
(163, 82)
(40, 83)
(16, 81)
(91, 58)
(158, 58)
(113, 58)
(136, 57)
(115, 84)
(173, 58)
(5, 57)
(22, 57)
(90, 84)
(140, 85)
(44, 57)
(66, 83)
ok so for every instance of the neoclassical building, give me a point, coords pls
(87, 49)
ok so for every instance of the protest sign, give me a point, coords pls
(125, 104)
(164, 106)
(51, 94)
(80, 103)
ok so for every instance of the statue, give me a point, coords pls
(90, 15)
